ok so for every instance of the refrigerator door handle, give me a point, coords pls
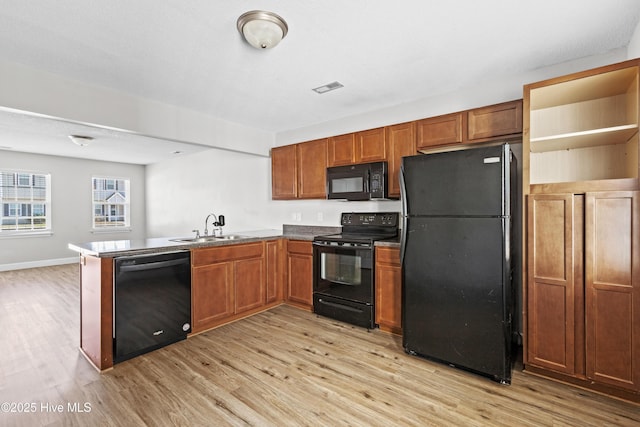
(403, 197)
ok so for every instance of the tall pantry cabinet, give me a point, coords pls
(582, 299)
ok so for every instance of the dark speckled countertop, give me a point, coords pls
(392, 243)
(114, 248)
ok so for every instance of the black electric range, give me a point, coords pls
(344, 270)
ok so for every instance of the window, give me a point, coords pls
(25, 201)
(110, 203)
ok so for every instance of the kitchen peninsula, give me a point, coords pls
(230, 279)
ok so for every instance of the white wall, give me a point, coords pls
(483, 93)
(71, 208)
(633, 49)
(36, 91)
(233, 184)
(181, 192)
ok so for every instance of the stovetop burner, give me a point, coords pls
(365, 228)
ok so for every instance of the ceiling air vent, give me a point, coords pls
(328, 87)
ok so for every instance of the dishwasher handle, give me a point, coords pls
(153, 265)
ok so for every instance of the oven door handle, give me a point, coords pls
(344, 246)
(324, 245)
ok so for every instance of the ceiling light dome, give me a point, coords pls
(81, 140)
(262, 30)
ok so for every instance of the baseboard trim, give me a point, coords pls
(36, 264)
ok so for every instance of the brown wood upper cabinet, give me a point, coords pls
(400, 141)
(494, 120)
(477, 125)
(299, 171)
(341, 150)
(284, 173)
(312, 169)
(441, 130)
(359, 147)
(370, 146)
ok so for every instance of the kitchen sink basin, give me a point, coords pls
(204, 239)
(231, 237)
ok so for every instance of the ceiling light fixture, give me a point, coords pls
(328, 87)
(81, 140)
(262, 30)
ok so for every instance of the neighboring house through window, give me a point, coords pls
(110, 203)
(25, 201)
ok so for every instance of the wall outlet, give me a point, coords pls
(320, 217)
(297, 216)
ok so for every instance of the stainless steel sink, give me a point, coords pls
(231, 237)
(203, 239)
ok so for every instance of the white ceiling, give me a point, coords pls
(190, 54)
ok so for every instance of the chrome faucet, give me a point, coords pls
(218, 223)
(206, 221)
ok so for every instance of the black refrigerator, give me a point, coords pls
(457, 298)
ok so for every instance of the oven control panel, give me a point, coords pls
(380, 219)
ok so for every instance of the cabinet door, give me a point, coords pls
(495, 120)
(370, 146)
(341, 150)
(389, 290)
(274, 271)
(441, 130)
(312, 169)
(284, 174)
(300, 273)
(401, 141)
(554, 293)
(613, 288)
(250, 290)
(211, 294)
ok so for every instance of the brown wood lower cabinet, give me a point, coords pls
(583, 292)
(227, 282)
(275, 269)
(96, 310)
(388, 289)
(300, 273)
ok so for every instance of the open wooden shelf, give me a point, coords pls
(584, 139)
(583, 128)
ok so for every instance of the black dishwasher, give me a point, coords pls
(152, 302)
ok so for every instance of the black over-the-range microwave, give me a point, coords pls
(365, 181)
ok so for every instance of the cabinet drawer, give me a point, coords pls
(205, 256)
(300, 247)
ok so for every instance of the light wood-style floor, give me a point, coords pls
(278, 368)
